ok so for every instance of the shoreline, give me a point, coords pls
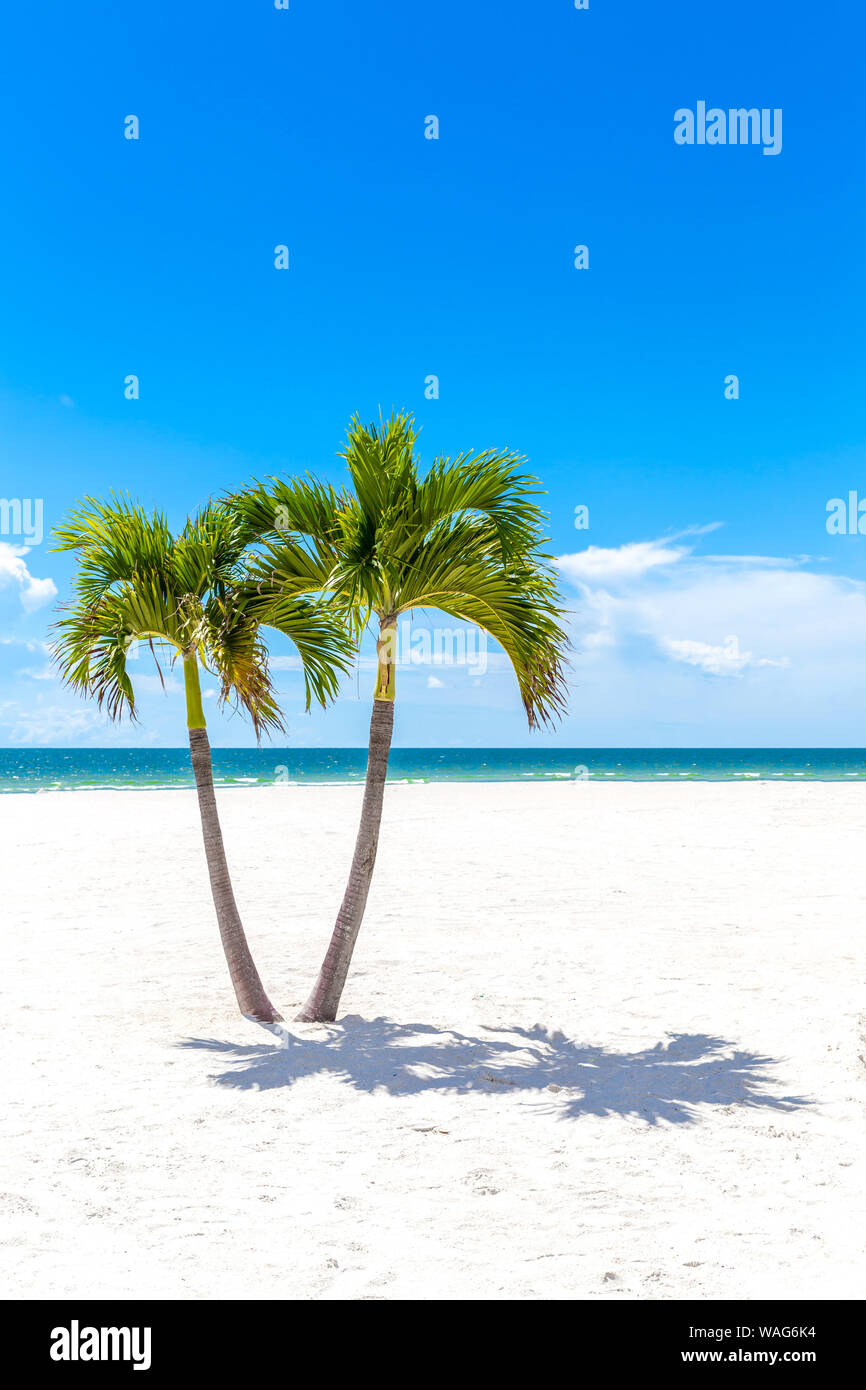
(554, 780)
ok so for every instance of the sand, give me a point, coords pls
(600, 1042)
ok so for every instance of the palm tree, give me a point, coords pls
(136, 582)
(465, 539)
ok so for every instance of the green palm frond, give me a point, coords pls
(115, 540)
(380, 460)
(302, 506)
(516, 602)
(291, 567)
(91, 651)
(231, 647)
(317, 630)
(489, 484)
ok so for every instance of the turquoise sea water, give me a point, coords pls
(67, 769)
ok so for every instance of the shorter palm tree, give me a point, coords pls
(136, 582)
(465, 539)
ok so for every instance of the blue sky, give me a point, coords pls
(711, 606)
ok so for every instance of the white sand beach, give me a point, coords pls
(599, 1042)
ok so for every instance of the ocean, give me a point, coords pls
(69, 769)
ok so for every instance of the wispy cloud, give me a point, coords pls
(30, 644)
(40, 673)
(623, 563)
(724, 660)
(51, 724)
(44, 722)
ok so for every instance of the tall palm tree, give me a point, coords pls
(136, 582)
(465, 539)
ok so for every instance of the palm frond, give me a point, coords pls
(322, 635)
(302, 507)
(115, 541)
(488, 484)
(381, 462)
(232, 648)
(91, 652)
(517, 603)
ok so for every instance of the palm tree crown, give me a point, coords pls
(136, 581)
(466, 538)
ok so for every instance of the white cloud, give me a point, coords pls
(623, 562)
(434, 684)
(726, 660)
(645, 591)
(653, 642)
(34, 593)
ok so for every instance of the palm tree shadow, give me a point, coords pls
(671, 1081)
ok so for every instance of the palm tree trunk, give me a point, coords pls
(322, 1005)
(249, 990)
